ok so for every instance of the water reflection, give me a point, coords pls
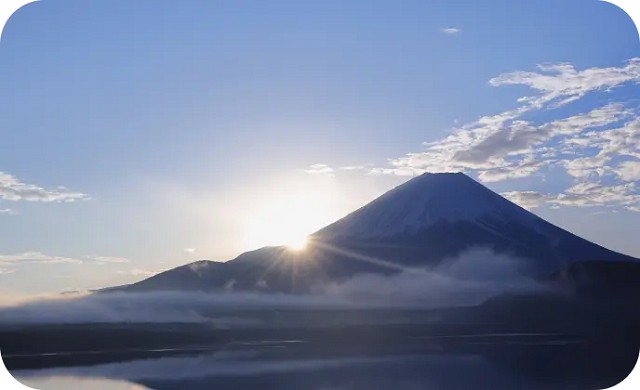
(66, 383)
(522, 364)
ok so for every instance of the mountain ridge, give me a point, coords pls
(418, 224)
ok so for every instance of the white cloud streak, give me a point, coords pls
(107, 259)
(139, 272)
(12, 189)
(39, 258)
(321, 170)
(34, 257)
(451, 30)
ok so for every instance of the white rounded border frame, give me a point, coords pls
(9, 7)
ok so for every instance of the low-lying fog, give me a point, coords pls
(468, 279)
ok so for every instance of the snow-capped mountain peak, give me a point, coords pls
(424, 201)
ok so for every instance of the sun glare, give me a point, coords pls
(287, 219)
(297, 244)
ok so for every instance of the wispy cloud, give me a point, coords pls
(561, 83)
(107, 259)
(581, 195)
(138, 272)
(13, 189)
(354, 167)
(597, 150)
(451, 30)
(6, 211)
(527, 199)
(39, 258)
(509, 145)
(190, 250)
(320, 169)
(6, 271)
(34, 257)
(493, 146)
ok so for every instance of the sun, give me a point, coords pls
(287, 219)
(279, 227)
(297, 244)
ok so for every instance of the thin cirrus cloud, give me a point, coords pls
(12, 189)
(34, 257)
(320, 169)
(107, 259)
(326, 170)
(9, 262)
(138, 272)
(587, 145)
(451, 30)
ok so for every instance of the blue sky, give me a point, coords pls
(139, 135)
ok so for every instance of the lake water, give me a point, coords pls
(491, 362)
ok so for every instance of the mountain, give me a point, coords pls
(424, 202)
(418, 224)
(435, 216)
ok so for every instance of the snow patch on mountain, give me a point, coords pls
(425, 201)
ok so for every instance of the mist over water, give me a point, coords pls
(371, 331)
(468, 279)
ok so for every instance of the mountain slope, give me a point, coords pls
(416, 225)
(424, 202)
(435, 216)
